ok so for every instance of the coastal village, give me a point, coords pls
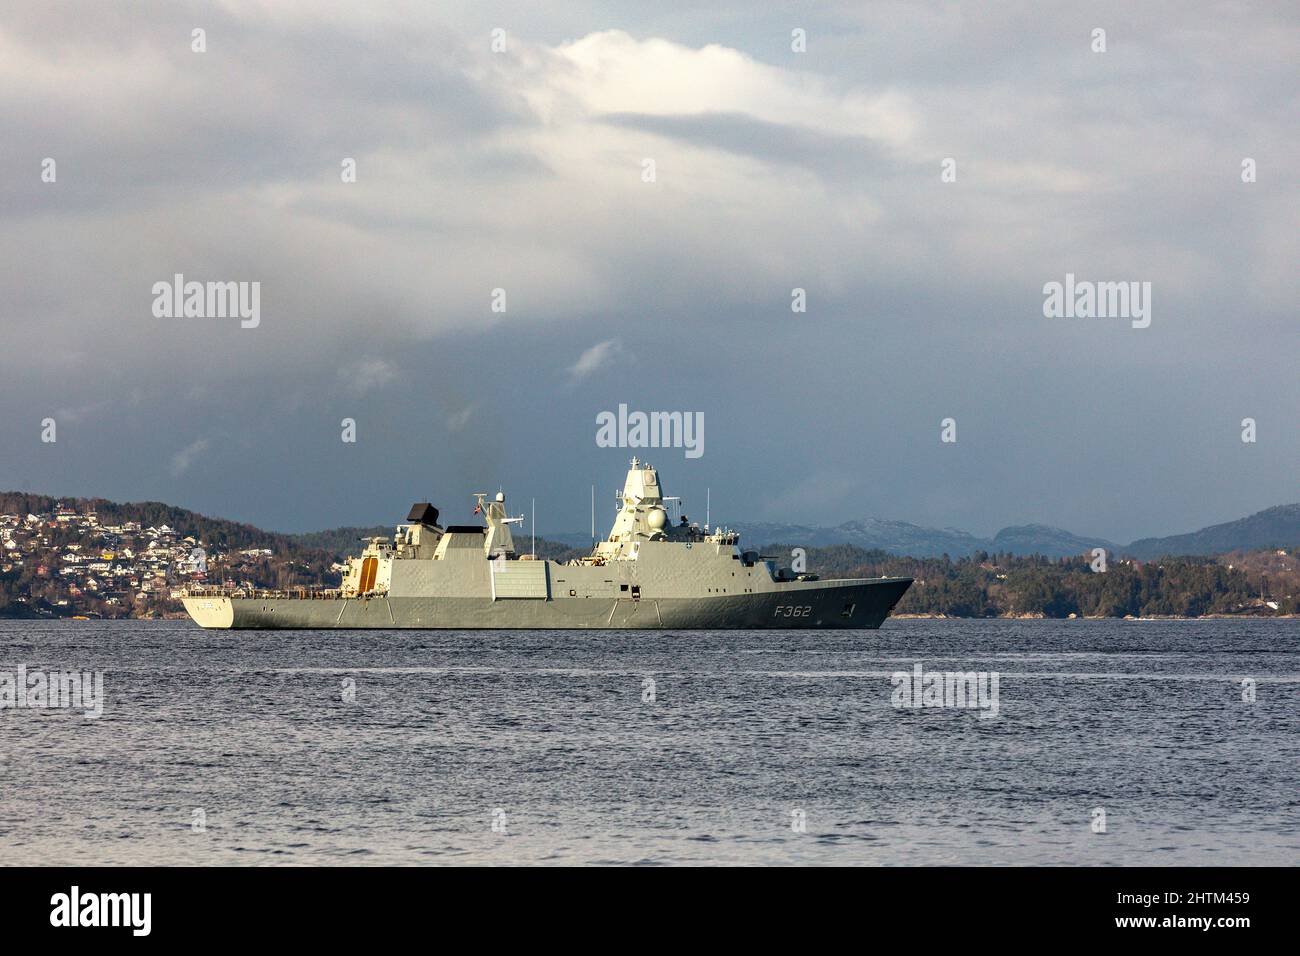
(67, 562)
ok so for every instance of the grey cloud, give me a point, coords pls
(837, 156)
(139, 119)
(924, 298)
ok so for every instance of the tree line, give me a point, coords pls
(993, 585)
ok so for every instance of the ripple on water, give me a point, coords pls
(1144, 720)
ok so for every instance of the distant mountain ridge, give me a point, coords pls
(1274, 527)
(917, 541)
(1046, 540)
(1277, 527)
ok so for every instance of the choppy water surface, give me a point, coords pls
(1142, 719)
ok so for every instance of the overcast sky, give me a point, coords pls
(774, 169)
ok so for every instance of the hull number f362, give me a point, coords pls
(792, 610)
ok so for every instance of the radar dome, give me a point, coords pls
(656, 518)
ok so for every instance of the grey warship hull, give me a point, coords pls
(647, 574)
(820, 604)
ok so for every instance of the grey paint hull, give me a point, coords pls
(856, 603)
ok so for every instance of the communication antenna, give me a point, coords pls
(533, 548)
(593, 515)
(707, 502)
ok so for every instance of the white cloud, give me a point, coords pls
(185, 458)
(368, 375)
(458, 420)
(594, 359)
(613, 72)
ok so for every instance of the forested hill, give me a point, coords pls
(341, 541)
(997, 585)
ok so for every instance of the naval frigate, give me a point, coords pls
(650, 572)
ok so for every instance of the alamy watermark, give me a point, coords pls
(179, 299)
(974, 690)
(1084, 299)
(37, 690)
(130, 910)
(651, 430)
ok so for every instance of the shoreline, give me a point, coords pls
(182, 616)
(1097, 617)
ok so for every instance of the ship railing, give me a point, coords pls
(262, 594)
